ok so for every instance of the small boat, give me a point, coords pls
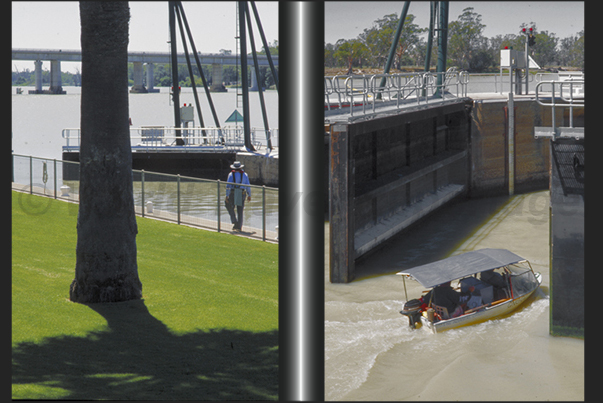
(488, 283)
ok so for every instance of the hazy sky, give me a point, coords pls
(56, 25)
(345, 20)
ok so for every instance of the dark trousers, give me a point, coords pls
(239, 211)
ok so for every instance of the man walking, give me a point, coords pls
(235, 194)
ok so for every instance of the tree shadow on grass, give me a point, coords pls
(139, 358)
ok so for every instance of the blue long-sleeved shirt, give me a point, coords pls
(237, 179)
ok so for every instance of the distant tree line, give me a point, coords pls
(27, 77)
(162, 74)
(468, 48)
(231, 75)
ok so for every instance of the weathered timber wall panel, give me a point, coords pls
(362, 149)
(389, 148)
(341, 217)
(392, 162)
(531, 155)
(489, 147)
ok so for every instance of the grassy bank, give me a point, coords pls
(207, 327)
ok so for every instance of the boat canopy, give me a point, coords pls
(459, 266)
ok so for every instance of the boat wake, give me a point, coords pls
(361, 332)
(357, 333)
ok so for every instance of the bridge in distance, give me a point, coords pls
(55, 56)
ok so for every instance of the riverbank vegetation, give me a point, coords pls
(162, 74)
(468, 49)
(207, 327)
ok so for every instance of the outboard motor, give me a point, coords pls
(412, 309)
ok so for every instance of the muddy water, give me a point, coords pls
(371, 354)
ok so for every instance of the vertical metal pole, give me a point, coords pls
(259, 23)
(257, 73)
(190, 69)
(178, 208)
(511, 60)
(527, 66)
(30, 174)
(55, 177)
(142, 189)
(571, 107)
(195, 53)
(244, 83)
(174, 54)
(442, 47)
(263, 212)
(553, 105)
(392, 49)
(429, 44)
(511, 144)
(429, 37)
(218, 207)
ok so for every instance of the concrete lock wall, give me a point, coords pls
(386, 173)
(490, 150)
(262, 170)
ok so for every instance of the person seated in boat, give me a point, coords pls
(493, 278)
(443, 295)
(497, 281)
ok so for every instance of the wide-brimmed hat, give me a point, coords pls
(237, 165)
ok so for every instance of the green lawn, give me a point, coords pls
(207, 327)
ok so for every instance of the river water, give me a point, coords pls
(38, 119)
(371, 354)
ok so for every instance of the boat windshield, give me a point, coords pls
(523, 280)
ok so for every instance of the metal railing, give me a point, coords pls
(561, 94)
(345, 92)
(493, 82)
(180, 199)
(209, 139)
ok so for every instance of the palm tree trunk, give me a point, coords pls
(106, 269)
